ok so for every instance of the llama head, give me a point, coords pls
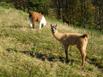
(53, 27)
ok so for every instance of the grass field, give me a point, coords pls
(22, 50)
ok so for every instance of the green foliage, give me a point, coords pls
(6, 5)
(85, 13)
(38, 5)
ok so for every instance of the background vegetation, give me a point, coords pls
(28, 53)
(85, 13)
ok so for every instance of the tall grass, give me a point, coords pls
(27, 53)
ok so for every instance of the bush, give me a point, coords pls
(6, 5)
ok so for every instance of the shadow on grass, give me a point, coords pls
(42, 56)
(54, 58)
(96, 62)
(49, 57)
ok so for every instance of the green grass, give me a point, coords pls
(22, 49)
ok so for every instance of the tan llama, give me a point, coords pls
(67, 39)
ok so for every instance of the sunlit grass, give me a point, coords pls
(22, 50)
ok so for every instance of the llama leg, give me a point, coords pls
(30, 22)
(83, 55)
(33, 25)
(40, 25)
(66, 53)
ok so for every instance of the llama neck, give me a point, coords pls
(58, 35)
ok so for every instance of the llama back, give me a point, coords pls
(84, 35)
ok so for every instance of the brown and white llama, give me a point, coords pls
(37, 17)
(80, 40)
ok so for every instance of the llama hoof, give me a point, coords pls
(67, 61)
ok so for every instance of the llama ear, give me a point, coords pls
(51, 25)
(55, 25)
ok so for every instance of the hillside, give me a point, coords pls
(22, 50)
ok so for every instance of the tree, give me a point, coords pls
(98, 14)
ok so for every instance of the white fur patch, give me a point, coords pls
(30, 22)
(42, 22)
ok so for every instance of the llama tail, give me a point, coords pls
(84, 35)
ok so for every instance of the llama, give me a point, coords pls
(80, 40)
(37, 17)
